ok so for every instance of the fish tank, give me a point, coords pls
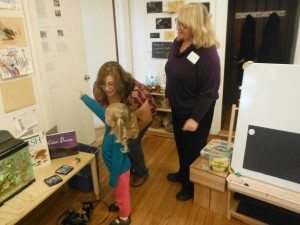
(16, 172)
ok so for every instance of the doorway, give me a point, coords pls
(260, 11)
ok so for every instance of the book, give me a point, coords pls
(38, 149)
(62, 144)
(214, 146)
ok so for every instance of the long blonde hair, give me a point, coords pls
(125, 121)
(196, 17)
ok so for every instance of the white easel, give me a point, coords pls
(262, 190)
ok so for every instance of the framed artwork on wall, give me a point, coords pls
(154, 7)
(15, 62)
(164, 23)
(12, 32)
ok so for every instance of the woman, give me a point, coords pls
(114, 85)
(193, 78)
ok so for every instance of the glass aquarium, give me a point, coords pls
(15, 166)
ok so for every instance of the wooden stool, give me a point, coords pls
(209, 186)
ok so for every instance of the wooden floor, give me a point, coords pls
(152, 203)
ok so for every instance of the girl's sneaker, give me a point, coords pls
(113, 207)
(119, 221)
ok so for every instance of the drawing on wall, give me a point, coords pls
(10, 4)
(164, 23)
(61, 41)
(58, 13)
(169, 35)
(173, 7)
(56, 3)
(60, 33)
(43, 34)
(25, 121)
(46, 35)
(15, 62)
(154, 7)
(12, 32)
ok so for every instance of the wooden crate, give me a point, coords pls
(210, 186)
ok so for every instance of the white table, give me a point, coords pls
(20, 205)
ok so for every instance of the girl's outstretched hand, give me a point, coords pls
(81, 93)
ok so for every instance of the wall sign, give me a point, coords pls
(161, 50)
(154, 35)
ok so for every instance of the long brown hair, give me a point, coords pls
(124, 81)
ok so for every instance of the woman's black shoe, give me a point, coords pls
(184, 195)
(173, 177)
(113, 207)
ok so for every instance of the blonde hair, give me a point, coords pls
(125, 121)
(196, 17)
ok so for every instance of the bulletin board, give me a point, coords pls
(267, 142)
(17, 94)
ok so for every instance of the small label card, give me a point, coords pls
(193, 57)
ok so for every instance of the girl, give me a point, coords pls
(119, 121)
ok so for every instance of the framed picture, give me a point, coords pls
(154, 7)
(164, 23)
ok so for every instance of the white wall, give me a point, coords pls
(99, 37)
(141, 26)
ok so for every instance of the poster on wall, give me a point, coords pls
(12, 32)
(154, 7)
(56, 3)
(17, 94)
(10, 4)
(174, 6)
(169, 35)
(25, 121)
(161, 50)
(15, 62)
(61, 40)
(164, 23)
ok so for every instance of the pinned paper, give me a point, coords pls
(169, 35)
(173, 7)
(17, 94)
(12, 32)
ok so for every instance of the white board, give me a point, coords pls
(270, 98)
